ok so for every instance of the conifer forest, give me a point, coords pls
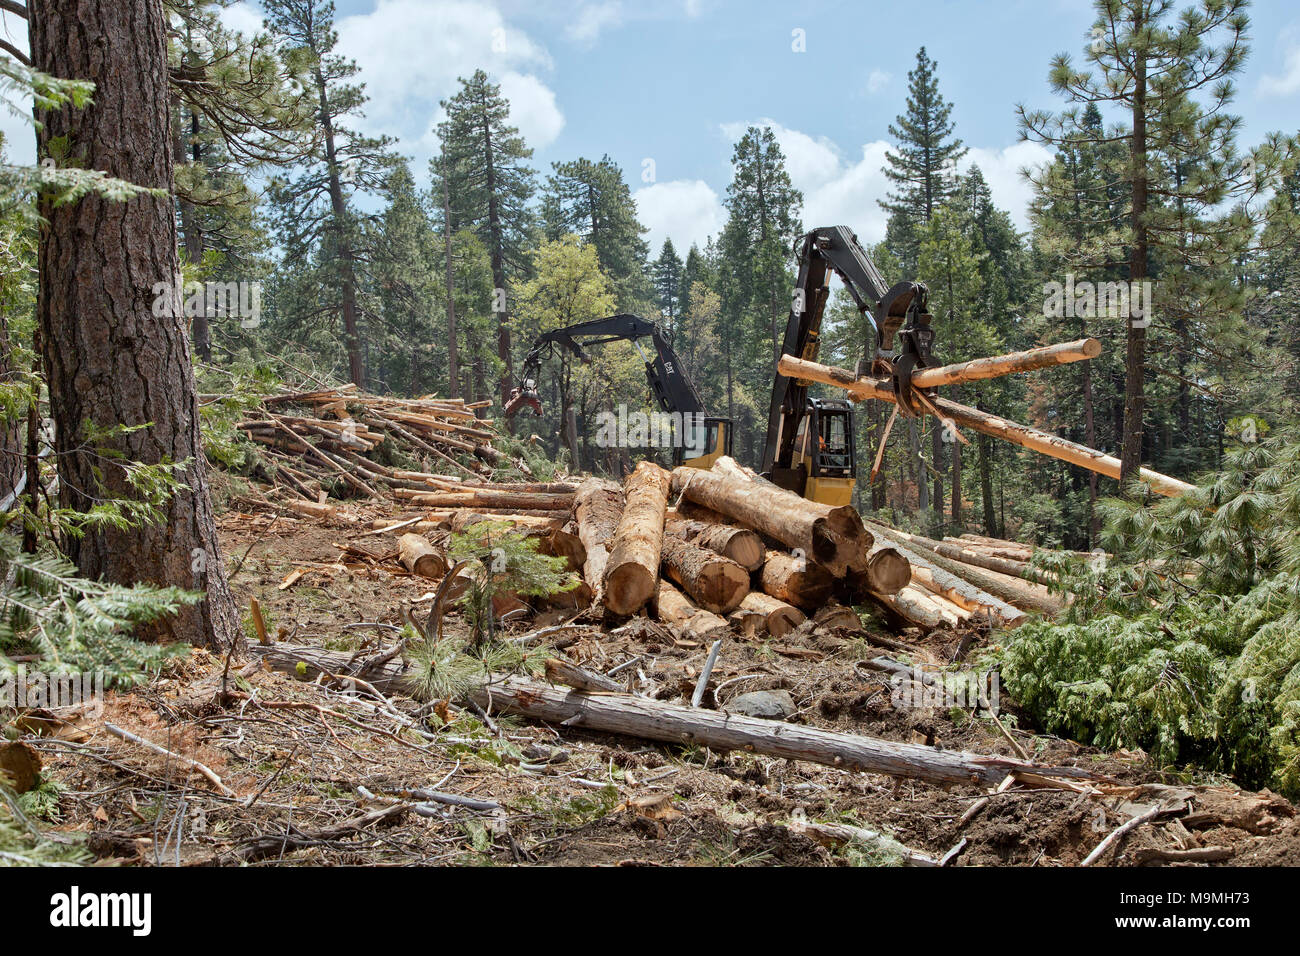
(698, 434)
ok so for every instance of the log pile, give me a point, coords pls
(703, 550)
(723, 550)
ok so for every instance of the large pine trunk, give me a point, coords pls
(597, 508)
(715, 582)
(110, 360)
(632, 572)
(1135, 339)
(796, 581)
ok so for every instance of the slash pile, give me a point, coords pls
(329, 439)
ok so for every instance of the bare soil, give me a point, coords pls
(305, 760)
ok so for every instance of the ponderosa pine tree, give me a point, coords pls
(923, 167)
(237, 106)
(592, 201)
(117, 355)
(923, 163)
(755, 283)
(1169, 73)
(408, 287)
(314, 212)
(668, 287)
(951, 264)
(490, 184)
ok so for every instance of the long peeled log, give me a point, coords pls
(1021, 594)
(486, 499)
(946, 580)
(1022, 435)
(632, 572)
(994, 366)
(830, 536)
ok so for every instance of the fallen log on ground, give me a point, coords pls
(486, 499)
(420, 557)
(657, 720)
(837, 834)
(632, 570)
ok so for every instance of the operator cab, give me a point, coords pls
(705, 439)
(824, 463)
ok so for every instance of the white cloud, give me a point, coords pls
(411, 53)
(532, 108)
(878, 80)
(837, 189)
(593, 18)
(685, 210)
(242, 17)
(1288, 82)
(841, 189)
(1001, 169)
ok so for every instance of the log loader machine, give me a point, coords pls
(702, 438)
(810, 447)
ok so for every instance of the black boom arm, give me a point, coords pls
(835, 249)
(672, 389)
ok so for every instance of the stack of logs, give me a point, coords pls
(705, 551)
(322, 442)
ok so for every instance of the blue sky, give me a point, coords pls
(675, 82)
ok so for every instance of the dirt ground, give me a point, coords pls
(315, 775)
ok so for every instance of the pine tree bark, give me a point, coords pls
(191, 234)
(344, 252)
(453, 370)
(496, 250)
(1135, 341)
(109, 359)
(632, 571)
(985, 466)
(11, 446)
